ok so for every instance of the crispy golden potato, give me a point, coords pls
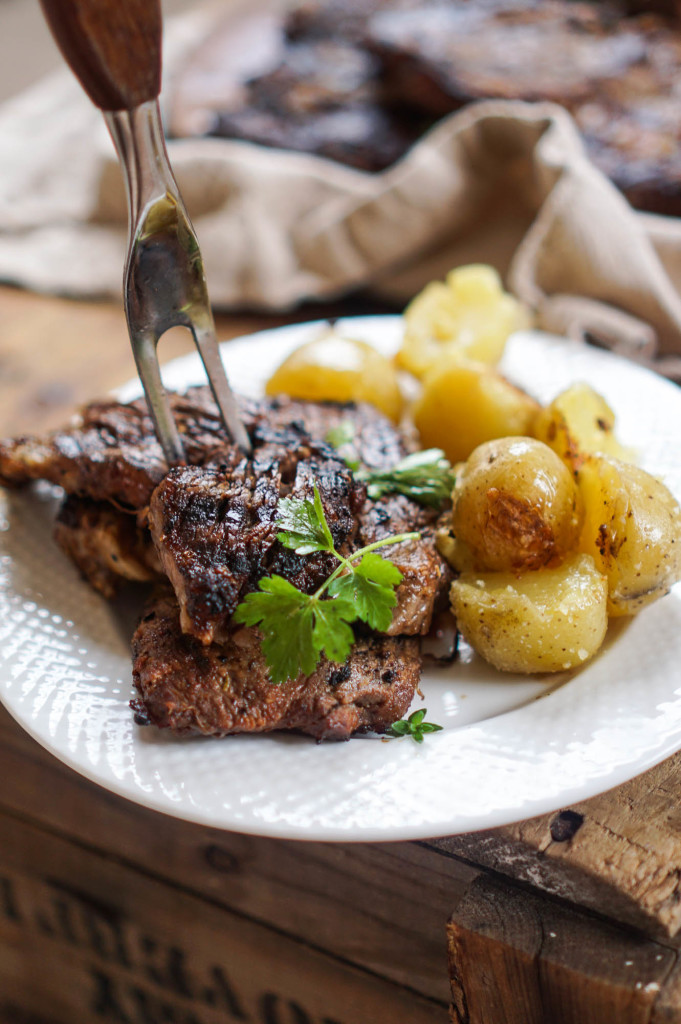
(468, 315)
(578, 423)
(464, 403)
(543, 621)
(632, 529)
(515, 505)
(334, 368)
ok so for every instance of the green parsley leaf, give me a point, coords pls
(298, 627)
(370, 590)
(426, 476)
(303, 525)
(286, 619)
(332, 634)
(414, 726)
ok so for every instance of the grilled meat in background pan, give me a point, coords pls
(360, 82)
(208, 528)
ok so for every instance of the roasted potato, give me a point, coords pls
(335, 368)
(465, 403)
(468, 315)
(578, 423)
(515, 506)
(542, 621)
(632, 529)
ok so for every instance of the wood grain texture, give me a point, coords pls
(382, 907)
(57, 354)
(516, 958)
(618, 853)
(87, 939)
(112, 46)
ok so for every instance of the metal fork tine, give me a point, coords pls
(146, 358)
(164, 281)
(209, 351)
(115, 51)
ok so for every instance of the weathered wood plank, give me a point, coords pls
(381, 906)
(619, 853)
(516, 958)
(87, 939)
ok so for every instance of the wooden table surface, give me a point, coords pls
(571, 917)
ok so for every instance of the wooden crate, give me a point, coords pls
(110, 912)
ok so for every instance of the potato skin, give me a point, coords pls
(466, 403)
(632, 529)
(515, 506)
(545, 621)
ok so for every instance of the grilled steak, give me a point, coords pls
(617, 75)
(210, 528)
(425, 574)
(214, 528)
(111, 453)
(213, 521)
(225, 688)
(105, 544)
(359, 81)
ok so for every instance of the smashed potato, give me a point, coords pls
(465, 403)
(469, 315)
(538, 622)
(334, 368)
(578, 423)
(632, 529)
(515, 505)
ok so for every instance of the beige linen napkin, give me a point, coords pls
(502, 182)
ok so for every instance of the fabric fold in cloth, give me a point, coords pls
(506, 183)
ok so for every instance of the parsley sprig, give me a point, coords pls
(414, 726)
(298, 627)
(426, 477)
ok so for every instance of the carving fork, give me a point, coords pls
(114, 49)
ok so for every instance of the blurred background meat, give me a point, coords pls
(360, 81)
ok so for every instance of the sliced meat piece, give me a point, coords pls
(225, 688)
(213, 528)
(111, 453)
(426, 575)
(105, 544)
(377, 441)
(215, 533)
(361, 136)
(617, 75)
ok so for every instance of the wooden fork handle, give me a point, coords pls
(112, 46)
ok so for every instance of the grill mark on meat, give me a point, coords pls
(225, 688)
(215, 557)
(215, 530)
(111, 453)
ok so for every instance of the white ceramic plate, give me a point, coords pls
(504, 754)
